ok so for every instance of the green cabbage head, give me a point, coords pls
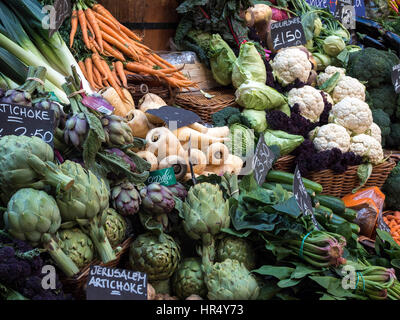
(222, 58)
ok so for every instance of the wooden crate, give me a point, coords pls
(154, 20)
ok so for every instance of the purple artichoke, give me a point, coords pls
(76, 130)
(157, 199)
(117, 131)
(125, 157)
(125, 199)
(179, 190)
(16, 96)
(47, 104)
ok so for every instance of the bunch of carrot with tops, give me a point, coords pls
(105, 36)
(393, 222)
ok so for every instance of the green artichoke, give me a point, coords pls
(27, 162)
(115, 227)
(230, 280)
(236, 249)
(86, 203)
(77, 245)
(188, 279)
(33, 216)
(158, 256)
(205, 213)
(117, 131)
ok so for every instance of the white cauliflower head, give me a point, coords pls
(331, 136)
(367, 147)
(329, 72)
(310, 102)
(348, 87)
(375, 132)
(291, 64)
(353, 114)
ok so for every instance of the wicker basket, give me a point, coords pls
(285, 163)
(77, 284)
(139, 85)
(338, 185)
(204, 107)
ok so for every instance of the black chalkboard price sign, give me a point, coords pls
(287, 33)
(25, 121)
(62, 10)
(262, 161)
(175, 118)
(303, 199)
(396, 78)
(105, 283)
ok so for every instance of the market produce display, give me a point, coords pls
(119, 187)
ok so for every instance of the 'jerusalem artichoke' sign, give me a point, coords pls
(105, 283)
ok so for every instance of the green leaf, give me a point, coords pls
(150, 223)
(141, 164)
(331, 83)
(289, 207)
(277, 272)
(302, 271)
(307, 20)
(364, 172)
(287, 283)
(248, 183)
(95, 124)
(91, 146)
(237, 234)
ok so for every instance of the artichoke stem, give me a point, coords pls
(51, 176)
(162, 286)
(208, 251)
(100, 241)
(60, 258)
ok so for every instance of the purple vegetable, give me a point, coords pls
(98, 104)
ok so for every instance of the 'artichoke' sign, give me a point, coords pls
(115, 284)
(25, 121)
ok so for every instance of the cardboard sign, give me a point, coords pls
(345, 12)
(262, 161)
(165, 177)
(175, 118)
(63, 9)
(396, 78)
(287, 33)
(302, 197)
(25, 121)
(105, 283)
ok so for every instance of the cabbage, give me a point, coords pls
(222, 58)
(248, 66)
(285, 109)
(258, 96)
(257, 119)
(285, 141)
(333, 45)
(241, 141)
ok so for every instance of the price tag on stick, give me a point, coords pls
(345, 12)
(62, 10)
(25, 121)
(287, 33)
(105, 283)
(262, 161)
(302, 197)
(396, 78)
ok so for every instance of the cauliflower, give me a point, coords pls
(348, 87)
(291, 64)
(310, 102)
(329, 72)
(353, 114)
(375, 132)
(331, 136)
(367, 147)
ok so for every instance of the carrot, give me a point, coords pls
(119, 67)
(397, 214)
(74, 27)
(96, 29)
(98, 62)
(113, 52)
(83, 24)
(395, 228)
(95, 46)
(107, 21)
(114, 73)
(83, 68)
(112, 81)
(129, 32)
(120, 46)
(89, 72)
(97, 76)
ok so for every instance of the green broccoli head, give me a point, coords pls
(382, 119)
(392, 189)
(393, 140)
(372, 65)
(228, 117)
(384, 98)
